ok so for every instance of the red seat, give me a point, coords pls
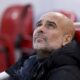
(3, 61)
(27, 29)
(17, 23)
(10, 21)
(6, 53)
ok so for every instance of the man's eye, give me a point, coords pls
(51, 26)
(38, 24)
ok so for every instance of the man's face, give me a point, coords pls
(49, 34)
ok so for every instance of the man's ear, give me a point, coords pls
(67, 38)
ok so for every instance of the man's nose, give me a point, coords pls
(42, 29)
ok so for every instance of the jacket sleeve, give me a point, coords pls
(23, 71)
(16, 70)
(65, 74)
(16, 67)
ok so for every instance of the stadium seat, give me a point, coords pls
(10, 21)
(6, 53)
(17, 23)
(27, 29)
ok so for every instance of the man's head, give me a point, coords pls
(53, 31)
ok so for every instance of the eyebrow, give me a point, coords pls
(40, 21)
(51, 22)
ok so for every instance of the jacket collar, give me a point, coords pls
(68, 55)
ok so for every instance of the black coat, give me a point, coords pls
(63, 64)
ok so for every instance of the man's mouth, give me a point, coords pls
(39, 39)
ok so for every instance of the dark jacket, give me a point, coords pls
(63, 64)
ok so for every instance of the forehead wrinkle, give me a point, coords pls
(52, 16)
(47, 21)
(61, 21)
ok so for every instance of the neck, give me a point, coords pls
(41, 54)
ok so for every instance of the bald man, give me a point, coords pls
(57, 53)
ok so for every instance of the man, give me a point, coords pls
(57, 53)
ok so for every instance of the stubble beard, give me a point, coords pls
(43, 49)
